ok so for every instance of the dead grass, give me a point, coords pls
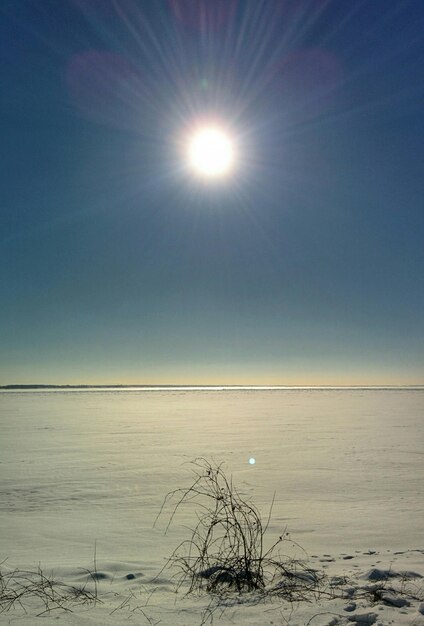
(20, 587)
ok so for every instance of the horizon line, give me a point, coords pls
(35, 386)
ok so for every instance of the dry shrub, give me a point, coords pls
(226, 550)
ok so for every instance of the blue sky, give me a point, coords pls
(304, 266)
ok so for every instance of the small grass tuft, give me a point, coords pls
(18, 587)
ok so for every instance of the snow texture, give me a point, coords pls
(83, 475)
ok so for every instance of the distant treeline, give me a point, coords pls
(229, 387)
(78, 386)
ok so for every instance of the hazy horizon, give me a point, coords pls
(214, 385)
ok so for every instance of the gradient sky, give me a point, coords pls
(305, 266)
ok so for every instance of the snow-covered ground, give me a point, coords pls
(83, 475)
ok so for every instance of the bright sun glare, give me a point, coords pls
(211, 152)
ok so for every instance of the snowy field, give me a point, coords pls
(83, 475)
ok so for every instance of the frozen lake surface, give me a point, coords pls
(91, 467)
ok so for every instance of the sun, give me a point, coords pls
(211, 152)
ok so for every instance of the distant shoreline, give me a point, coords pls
(118, 386)
(41, 387)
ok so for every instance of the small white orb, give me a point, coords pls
(252, 461)
(211, 152)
